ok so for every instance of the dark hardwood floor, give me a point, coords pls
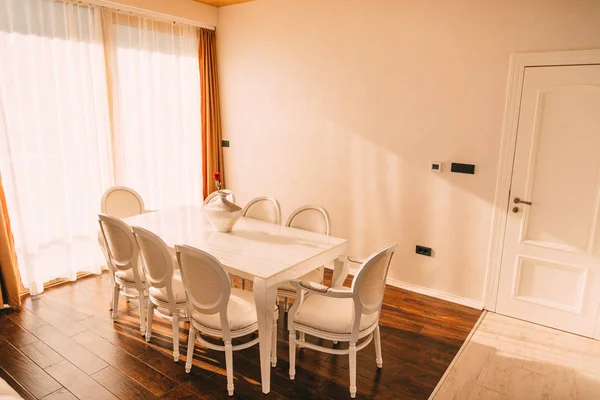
(66, 346)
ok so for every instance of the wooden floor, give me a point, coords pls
(509, 359)
(65, 346)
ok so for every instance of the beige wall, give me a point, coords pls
(345, 103)
(187, 9)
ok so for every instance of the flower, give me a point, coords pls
(217, 176)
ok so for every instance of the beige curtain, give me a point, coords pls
(212, 152)
(10, 280)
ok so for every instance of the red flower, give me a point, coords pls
(217, 176)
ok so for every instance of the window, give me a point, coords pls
(90, 98)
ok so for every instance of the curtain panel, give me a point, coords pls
(212, 151)
(54, 147)
(10, 280)
(154, 86)
(90, 98)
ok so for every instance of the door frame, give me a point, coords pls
(516, 77)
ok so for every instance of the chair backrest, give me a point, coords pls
(121, 202)
(369, 282)
(206, 282)
(310, 218)
(156, 260)
(120, 244)
(263, 208)
(213, 196)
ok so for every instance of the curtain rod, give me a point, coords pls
(146, 13)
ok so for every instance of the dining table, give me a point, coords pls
(268, 254)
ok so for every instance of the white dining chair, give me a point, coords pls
(228, 195)
(309, 218)
(264, 208)
(216, 309)
(342, 314)
(121, 202)
(166, 295)
(123, 256)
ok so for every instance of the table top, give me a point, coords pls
(257, 248)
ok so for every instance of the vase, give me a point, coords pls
(221, 213)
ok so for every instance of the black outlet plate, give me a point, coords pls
(225, 143)
(463, 168)
(424, 251)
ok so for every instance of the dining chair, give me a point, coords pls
(121, 202)
(166, 295)
(342, 314)
(264, 208)
(123, 256)
(211, 197)
(309, 218)
(216, 309)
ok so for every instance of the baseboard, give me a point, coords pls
(438, 294)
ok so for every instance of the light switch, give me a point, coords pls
(436, 166)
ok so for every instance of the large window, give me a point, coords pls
(90, 98)
(155, 80)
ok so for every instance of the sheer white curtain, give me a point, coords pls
(155, 82)
(54, 135)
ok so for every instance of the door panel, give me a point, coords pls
(550, 270)
(562, 222)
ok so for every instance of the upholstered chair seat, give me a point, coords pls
(241, 313)
(342, 314)
(128, 276)
(330, 314)
(178, 290)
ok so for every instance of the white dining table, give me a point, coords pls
(266, 253)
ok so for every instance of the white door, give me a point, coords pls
(550, 270)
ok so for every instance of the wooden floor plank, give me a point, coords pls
(62, 394)
(17, 387)
(181, 393)
(69, 349)
(41, 354)
(24, 371)
(132, 343)
(60, 321)
(122, 386)
(25, 318)
(135, 368)
(420, 336)
(78, 383)
(13, 333)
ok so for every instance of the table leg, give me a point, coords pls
(264, 296)
(340, 273)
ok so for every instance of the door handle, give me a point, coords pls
(519, 201)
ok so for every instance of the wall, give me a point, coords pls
(344, 103)
(187, 9)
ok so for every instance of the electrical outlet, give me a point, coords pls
(424, 251)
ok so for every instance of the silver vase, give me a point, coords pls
(222, 213)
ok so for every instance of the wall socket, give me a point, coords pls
(424, 251)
